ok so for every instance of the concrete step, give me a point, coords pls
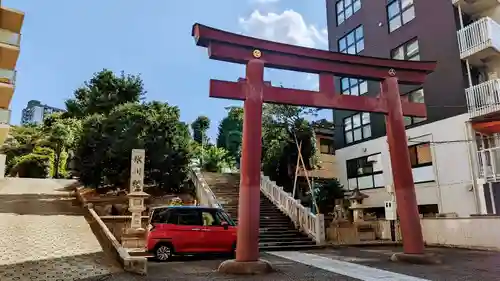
(284, 239)
(286, 243)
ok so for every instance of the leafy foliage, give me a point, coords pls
(215, 159)
(103, 92)
(326, 192)
(231, 132)
(200, 127)
(284, 128)
(38, 164)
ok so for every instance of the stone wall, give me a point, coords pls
(475, 232)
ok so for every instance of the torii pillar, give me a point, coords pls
(257, 54)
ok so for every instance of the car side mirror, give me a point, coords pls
(225, 225)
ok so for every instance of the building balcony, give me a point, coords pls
(9, 48)
(483, 99)
(11, 19)
(7, 85)
(479, 41)
(475, 6)
(4, 125)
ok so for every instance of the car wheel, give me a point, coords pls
(163, 252)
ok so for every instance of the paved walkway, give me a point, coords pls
(44, 235)
(344, 264)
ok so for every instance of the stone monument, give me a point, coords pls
(134, 234)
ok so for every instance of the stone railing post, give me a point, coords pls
(320, 228)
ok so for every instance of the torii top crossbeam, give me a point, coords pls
(230, 47)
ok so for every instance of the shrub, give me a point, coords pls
(33, 166)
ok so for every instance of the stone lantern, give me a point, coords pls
(356, 200)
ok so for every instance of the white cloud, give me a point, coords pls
(288, 27)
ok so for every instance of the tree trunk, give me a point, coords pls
(56, 161)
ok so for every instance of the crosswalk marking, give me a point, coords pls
(353, 270)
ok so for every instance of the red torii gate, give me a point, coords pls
(257, 54)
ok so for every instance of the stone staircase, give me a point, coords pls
(277, 232)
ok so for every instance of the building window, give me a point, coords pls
(357, 127)
(407, 51)
(399, 13)
(418, 97)
(365, 172)
(420, 155)
(353, 86)
(326, 146)
(353, 42)
(346, 8)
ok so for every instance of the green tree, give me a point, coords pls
(104, 150)
(231, 132)
(60, 134)
(200, 127)
(103, 92)
(284, 128)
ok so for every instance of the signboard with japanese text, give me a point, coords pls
(137, 170)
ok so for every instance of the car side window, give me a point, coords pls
(187, 217)
(210, 219)
(158, 216)
(223, 217)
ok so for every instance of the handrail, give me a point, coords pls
(312, 224)
(205, 195)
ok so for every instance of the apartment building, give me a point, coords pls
(11, 22)
(440, 145)
(479, 43)
(35, 112)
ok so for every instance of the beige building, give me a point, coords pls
(327, 166)
(11, 22)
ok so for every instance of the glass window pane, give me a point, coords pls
(347, 124)
(359, 32)
(357, 134)
(407, 120)
(366, 118)
(367, 131)
(344, 82)
(340, 6)
(356, 120)
(357, 5)
(413, 156)
(351, 50)
(393, 9)
(350, 38)
(342, 44)
(398, 54)
(406, 3)
(394, 24)
(412, 48)
(348, 137)
(347, 2)
(353, 81)
(418, 119)
(360, 46)
(340, 18)
(408, 15)
(355, 91)
(363, 87)
(417, 96)
(348, 12)
(424, 153)
(416, 57)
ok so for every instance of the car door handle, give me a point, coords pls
(196, 229)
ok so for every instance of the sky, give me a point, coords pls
(64, 42)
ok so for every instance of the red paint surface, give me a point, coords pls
(254, 91)
(404, 187)
(247, 248)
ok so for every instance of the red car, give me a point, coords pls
(178, 230)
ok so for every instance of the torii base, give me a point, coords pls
(245, 267)
(416, 258)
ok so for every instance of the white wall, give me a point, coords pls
(451, 169)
